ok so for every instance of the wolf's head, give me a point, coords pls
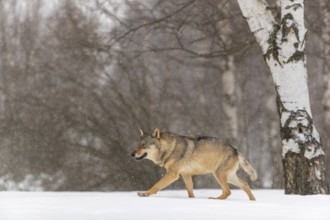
(148, 147)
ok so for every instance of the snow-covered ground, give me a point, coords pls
(270, 205)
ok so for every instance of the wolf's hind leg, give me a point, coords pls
(189, 185)
(222, 180)
(162, 183)
(235, 180)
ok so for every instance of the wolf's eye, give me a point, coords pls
(142, 144)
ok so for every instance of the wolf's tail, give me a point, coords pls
(247, 167)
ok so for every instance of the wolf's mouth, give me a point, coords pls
(142, 157)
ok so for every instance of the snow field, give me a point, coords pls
(270, 205)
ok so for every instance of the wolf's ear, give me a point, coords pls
(156, 133)
(141, 131)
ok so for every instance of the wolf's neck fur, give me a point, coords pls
(167, 145)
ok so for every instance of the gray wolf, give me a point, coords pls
(187, 156)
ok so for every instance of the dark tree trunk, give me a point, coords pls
(303, 176)
(303, 161)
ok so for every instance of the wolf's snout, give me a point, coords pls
(133, 154)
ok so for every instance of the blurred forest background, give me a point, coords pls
(79, 78)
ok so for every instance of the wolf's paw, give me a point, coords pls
(217, 198)
(143, 194)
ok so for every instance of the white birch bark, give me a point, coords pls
(282, 44)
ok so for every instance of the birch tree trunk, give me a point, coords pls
(326, 51)
(325, 35)
(229, 86)
(282, 44)
(229, 105)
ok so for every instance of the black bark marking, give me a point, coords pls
(280, 106)
(300, 117)
(285, 28)
(289, 25)
(296, 32)
(273, 47)
(297, 56)
(294, 6)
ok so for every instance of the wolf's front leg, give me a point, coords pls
(162, 183)
(189, 185)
